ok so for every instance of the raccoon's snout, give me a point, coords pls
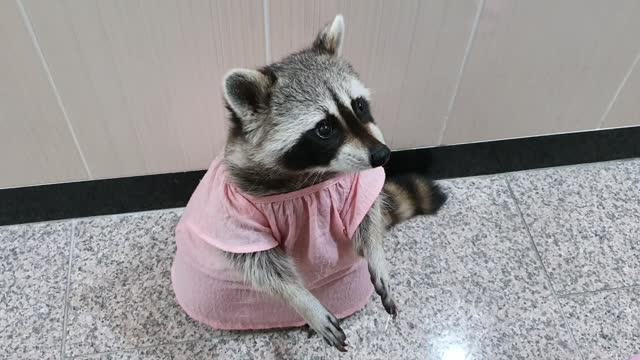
(380, 154)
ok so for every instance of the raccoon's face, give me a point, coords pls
(307, 113)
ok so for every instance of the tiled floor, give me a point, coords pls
(541, 264)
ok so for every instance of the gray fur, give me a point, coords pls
(274, 273)
(368, 243)
(410, 195)
(270, 108)
(329, 40)
(297, 101)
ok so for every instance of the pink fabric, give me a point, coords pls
(313, 226)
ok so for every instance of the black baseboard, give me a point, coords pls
(102, 197)
(502, 156)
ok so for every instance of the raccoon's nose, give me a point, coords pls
(380, 154)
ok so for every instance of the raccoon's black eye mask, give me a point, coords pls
(316, 147)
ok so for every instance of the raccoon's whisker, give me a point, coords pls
(309, 180)
(304, 180)
(318, 174)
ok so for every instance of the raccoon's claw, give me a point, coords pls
(383, 291)
(339, 337)
(331, 332)
(390, 307)
(309, 330)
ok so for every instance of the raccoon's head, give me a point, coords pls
(307, 114)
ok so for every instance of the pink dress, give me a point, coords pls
(313, 225)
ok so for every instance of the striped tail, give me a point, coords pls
(409, 195)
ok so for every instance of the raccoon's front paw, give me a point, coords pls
(382, 288)
(325, 324)
(390, 307)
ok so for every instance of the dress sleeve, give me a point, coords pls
(230, 222)
(365, 189)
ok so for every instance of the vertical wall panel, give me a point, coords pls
(540, 67)
(625, 110)
(407, 52)
(36, 145)
(141, 78)
(440, 36)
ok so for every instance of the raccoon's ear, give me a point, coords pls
(247, 91)
(329, 40)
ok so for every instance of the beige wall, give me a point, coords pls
(108, 88)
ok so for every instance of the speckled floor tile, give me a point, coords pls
(33, 276)
(468, 284)
(585, 221)
(272, 346)
(120, 294)
(606, 324)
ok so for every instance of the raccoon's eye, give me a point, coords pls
(324, 129)
(360, 106)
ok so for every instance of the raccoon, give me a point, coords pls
(298, 123)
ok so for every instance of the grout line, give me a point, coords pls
(467, 50)
(406, 66)
(618, 90)
(568, 166)
(104, 216)
(546, 273)
(36, 45)
(625, 287)
(267, 30)
(143, 347)
(508, 174)
(67, 291)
